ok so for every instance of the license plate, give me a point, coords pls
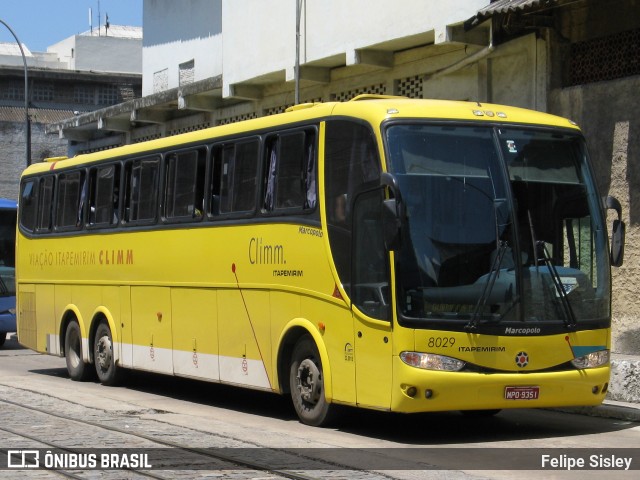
(521, 393)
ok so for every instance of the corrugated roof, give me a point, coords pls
(37, 115)
(509, 6)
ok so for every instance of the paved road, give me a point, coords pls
(40, 407)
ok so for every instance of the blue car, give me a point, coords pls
(8, 212)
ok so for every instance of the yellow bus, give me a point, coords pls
(388, 253)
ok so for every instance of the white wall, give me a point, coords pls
(259, 35)
(108, 54)
(177, 32)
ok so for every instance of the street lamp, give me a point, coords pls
(27, 133)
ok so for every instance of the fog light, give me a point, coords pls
(595, 390)
(428, 393)
(411, 391)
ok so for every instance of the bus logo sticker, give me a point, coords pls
(348, 353)
(522, 359)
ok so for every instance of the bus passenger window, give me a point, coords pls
(289, 192)
(239, 177)
(141, 190)
(104, 183)
(290, 172)
(185, 185)
(29, 203)
(69, 203)
(45, 204)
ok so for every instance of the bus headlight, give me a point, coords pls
(591, 360)
(431, 361)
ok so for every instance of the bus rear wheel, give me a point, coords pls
(108, 372)
(78, 370)
(306, 382)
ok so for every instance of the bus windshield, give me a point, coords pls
(500, 225)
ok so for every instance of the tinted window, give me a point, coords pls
(236, 166)
(141, 189)
(104, 183)
(290, 172)
(29, 205)
(185, 185)
(69, 204)
(351, 164)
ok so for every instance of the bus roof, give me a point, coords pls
(373, 108)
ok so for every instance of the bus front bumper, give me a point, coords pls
(419, 390)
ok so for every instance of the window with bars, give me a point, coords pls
(160, 81)
(604, 58)
(42, 92)
(83, 94)
(377, 89)
(186, 72)
(107, 95)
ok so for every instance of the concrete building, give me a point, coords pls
(207, 62)
(82, 73)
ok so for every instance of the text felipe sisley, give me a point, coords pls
(570, 462)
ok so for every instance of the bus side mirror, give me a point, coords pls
(617, 232)
(391, 212)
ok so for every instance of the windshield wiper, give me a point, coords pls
(543, 255)
(488, 286)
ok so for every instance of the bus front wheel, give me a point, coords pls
(78, 370)
(306, 381)
(108, 372)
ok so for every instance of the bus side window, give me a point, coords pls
(289, 181)
(292, 156)
(215, 180)
(238, 182)
(29, 205)
(185, 185)
(141, 190)
(45, 204)
(69, 203)
(104, 185)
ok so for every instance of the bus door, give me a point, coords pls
(370, 303)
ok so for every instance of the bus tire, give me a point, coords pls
(108, 372)
(3, 337)
(78, 370)
(306, 382)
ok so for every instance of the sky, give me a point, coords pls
(41, 23)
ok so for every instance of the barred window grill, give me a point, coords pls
(42, 92)
(190, 128)
(605, 58)
(410, 87)
(186, 72)
(378, 89)
(83, 94)
(160, 81)
(237, 118)
(275, 110)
